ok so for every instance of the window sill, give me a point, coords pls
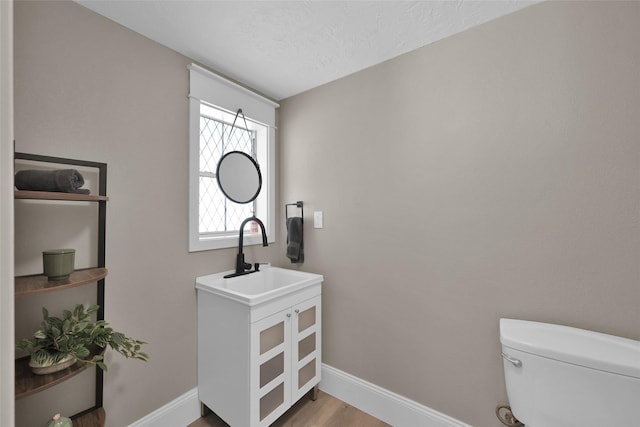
(223, 242)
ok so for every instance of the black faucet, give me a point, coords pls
(241, 266)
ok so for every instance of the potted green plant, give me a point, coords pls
(59, 421)
(61, 342)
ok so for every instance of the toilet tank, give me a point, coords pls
(558, 376)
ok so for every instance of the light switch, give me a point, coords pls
(317, 219)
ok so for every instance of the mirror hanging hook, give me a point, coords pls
(233, 125)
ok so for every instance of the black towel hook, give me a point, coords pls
(297, 204)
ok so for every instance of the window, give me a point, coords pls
(218, 136)
(213, 219)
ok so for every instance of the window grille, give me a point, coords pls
(218, 215)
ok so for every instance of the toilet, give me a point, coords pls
(558, 376)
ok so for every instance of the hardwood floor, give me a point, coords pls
(326, 411)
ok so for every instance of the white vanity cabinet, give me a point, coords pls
(256, 361)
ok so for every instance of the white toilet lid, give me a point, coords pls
(572, 345)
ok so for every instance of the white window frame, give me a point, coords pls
(210, 88)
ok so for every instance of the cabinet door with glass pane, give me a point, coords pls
(305, 347)
(271, 362)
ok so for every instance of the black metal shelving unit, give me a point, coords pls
(27, 383)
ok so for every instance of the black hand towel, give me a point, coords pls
(295, 246)
(61, 180)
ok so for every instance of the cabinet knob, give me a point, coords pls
(288, 314)
(297, 311)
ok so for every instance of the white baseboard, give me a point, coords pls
(381, 403)
(377, 401)
(181, 411)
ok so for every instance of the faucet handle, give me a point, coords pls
(241, 266)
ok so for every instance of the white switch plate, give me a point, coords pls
(317, 219)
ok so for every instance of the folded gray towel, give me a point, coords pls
(295, 244)
(60, 180)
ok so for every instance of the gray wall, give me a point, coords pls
(492, 174)
(6, 216)
(87, 88)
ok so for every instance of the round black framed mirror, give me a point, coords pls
(239, 177)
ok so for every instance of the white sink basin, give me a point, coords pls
(256, 288)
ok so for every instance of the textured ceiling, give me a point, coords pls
(282, 48)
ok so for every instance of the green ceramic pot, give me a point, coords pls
(58, 263)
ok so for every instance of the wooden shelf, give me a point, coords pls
(38, 284)
(94, 418)
(28, 383)
(46, 195)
